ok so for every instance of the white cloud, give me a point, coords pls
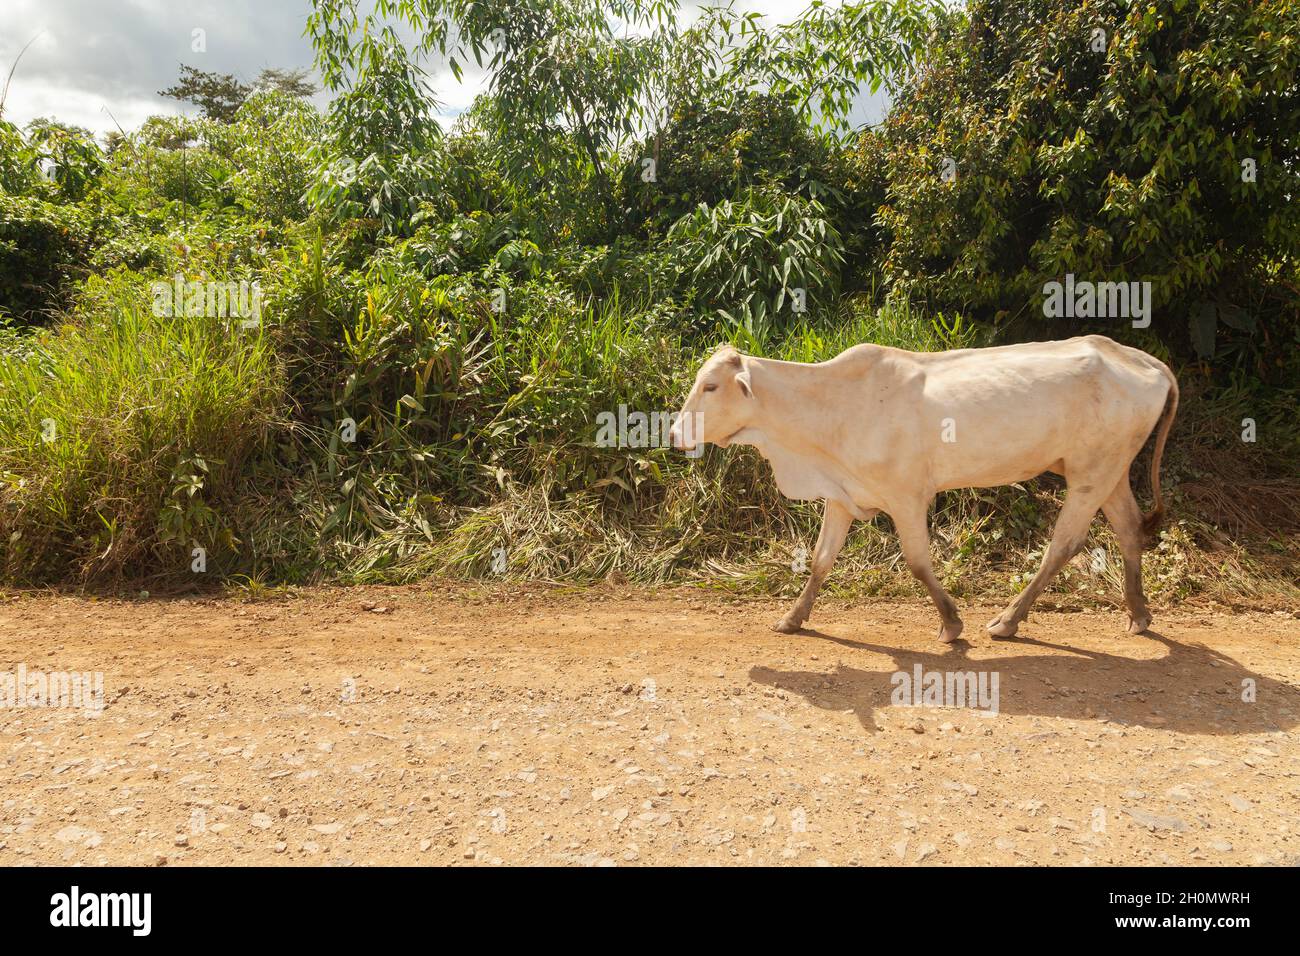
(84, 108)
(93, 54)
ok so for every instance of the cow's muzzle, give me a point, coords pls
(686, 433)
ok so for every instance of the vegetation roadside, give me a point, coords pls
(444, 315)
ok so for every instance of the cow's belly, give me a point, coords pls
(993, 474)
(999, 451)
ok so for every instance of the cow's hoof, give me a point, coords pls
(949, 632)
(999, 628)
(1139, 625)
(787, 625)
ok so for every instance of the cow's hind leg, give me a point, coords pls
(914, 537)
(835, 528)
(1071, 532)
(1122, 511)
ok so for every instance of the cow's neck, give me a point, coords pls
(789, 406)
(785, 431)
(788, 421)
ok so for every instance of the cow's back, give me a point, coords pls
(992, 416)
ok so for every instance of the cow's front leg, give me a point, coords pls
(835, 528)
(913, 529)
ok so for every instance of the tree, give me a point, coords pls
(1153, 142)
(291, 82)
(571, 82)
(818, 62)
(380, 158)
(220, 95)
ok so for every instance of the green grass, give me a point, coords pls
(123, 437)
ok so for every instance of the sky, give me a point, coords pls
(100, 63)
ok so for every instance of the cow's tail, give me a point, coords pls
(1151, 521)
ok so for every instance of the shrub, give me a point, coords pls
(760, 259)
(43, 251)
(708, 154)
(18, 170)
(70, 154)
(177, 165)
(270, 144)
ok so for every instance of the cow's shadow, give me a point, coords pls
(1190, 688)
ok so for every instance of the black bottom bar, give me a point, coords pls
(333, 906)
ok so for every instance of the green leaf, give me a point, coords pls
(1202, 323)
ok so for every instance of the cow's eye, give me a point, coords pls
(710, 388)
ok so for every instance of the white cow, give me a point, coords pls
(882, 429)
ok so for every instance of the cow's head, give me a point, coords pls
(721, 403)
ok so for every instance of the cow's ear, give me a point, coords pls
(742, 379)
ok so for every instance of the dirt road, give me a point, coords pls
(441, 725)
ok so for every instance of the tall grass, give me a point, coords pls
(566, 509)
(123, 436)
